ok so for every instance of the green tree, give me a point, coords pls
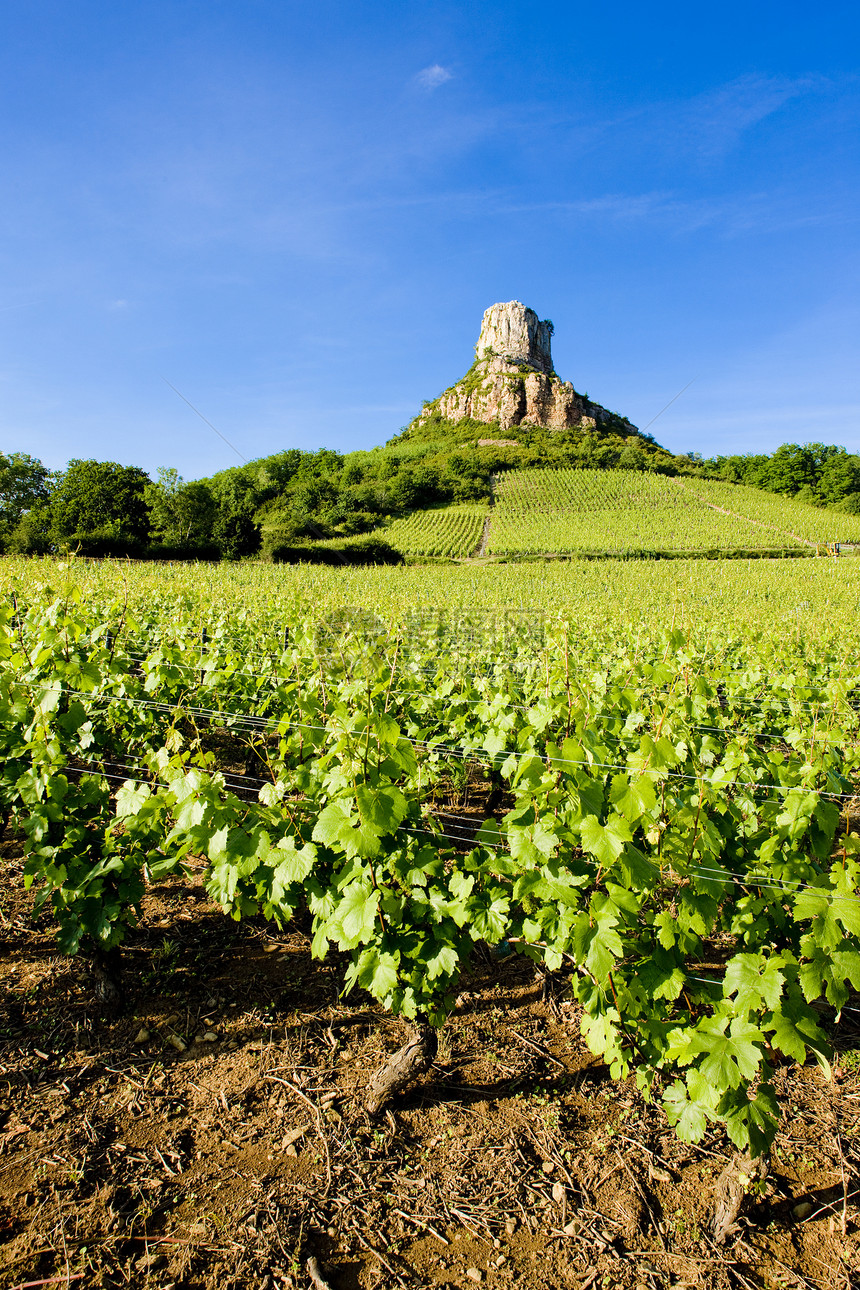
(791, 468)
(181, 514)
(100, 500)
(839, 478)
(236, 534)
(25, 483)
(633, 458)
(32, 534)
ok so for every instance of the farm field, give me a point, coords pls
(588, 832)
(447, 531)
(569, 511)
(810, 596)
(783, 515)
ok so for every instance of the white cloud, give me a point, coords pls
(430, 77)
(118, 305)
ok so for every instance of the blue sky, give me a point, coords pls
(297, 213)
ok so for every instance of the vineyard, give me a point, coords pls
(646, 793)
(448, 531)
(783, 516)
(619, 512)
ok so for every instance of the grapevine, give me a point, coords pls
(566, 511)
(673, 831)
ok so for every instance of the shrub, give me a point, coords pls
(363, 552)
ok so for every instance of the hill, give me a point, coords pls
(429, 490)
(513, 399)
(511, 411)
(511, 461)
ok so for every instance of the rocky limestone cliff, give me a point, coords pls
(512, 381)
(515, 333)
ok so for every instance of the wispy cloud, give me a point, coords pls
(705, 127)
(714, 122)
(429, 78)
(730, 215)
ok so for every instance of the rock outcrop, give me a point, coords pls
(515, 333)
(512, 381)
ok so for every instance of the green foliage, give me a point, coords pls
(295, 500)
(181, 515)
(25, 486)
(356, 551)
(31, 535)
(96, 504)
(666, 807)
(822, 474)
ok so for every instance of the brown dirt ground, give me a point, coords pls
(214, 1137)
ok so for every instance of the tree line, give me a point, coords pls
(294, 499)
(818, 473)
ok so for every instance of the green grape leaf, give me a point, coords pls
(443, 960)
(334, 826)
(130, 799)
(753, 980)
(292, 863)
(728, 1059)
(489, 834)
(489, 922)
(533, 844)
(189, 813)
(633, 798)
(793, 1034)
(381, 809)
(751, 1123)
(354, 919)
(596, 945)
(826, 973)
(666, 930)
(377, 972)
(605, 841)
(601, 1033)
(689, 1119)
(660, 977)
(829, 913)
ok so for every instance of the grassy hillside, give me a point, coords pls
(568, 512)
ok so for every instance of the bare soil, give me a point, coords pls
(213, 1136)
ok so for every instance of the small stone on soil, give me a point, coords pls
(142, 1036)
(547, 1166)
(474, 1274)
